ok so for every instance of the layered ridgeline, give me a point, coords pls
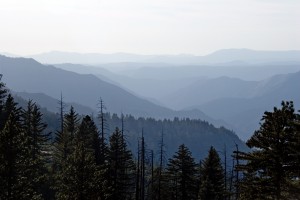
(84, 162)
(233, 85)
(231, 93)
(197, 134)
(221, 56)
(27, 75)
(235, 103)
(238, 102)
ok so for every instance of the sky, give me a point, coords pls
(194, 27)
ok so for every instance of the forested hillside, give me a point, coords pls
(150, 100)
(83, 162)
(199, 135)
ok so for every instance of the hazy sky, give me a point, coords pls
(148, 26)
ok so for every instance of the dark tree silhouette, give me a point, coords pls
(181, 175)
(212, 177)
(269, 171)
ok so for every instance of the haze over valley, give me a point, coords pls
(235, 93)
(149, 100)
(225, 93)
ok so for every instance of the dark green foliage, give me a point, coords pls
(194, 132)
(37, 151)
(71, 122)
(63, 140)
(272, 168)
(50, 118)
(294, 150)
(181, 175)
(12, 153)
(81, 165)
(79, 177)
(212, 177)
(159, 187)
(121, 167)
(62, 148)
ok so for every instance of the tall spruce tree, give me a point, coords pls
(63, 147)
(12, 153)
(269, 171)
(212, 177)
(121, 167)
(37, 150)
(181, 174)
(81, 176)
(63, 140)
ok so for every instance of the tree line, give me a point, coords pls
(82, 162)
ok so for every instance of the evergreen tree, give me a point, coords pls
(271, 168)
(63, 140)
(63, 147)
(122, 168)
(71, 122)
(80, 177)
(212, 177)
(181, 174)
(294, 162)
(37, 150)
(12, 169)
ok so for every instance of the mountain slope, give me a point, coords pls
(206, 90)
(196, 134)
(27, 75)
(52, 104)
(245, 113)
(150, 87)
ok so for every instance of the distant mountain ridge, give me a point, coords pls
(234, 100)
(221, 56)
(235, 103)
(27, 75)
(245, 112)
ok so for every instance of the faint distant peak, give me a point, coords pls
(9, 55)
(223, 57)
(252, 56)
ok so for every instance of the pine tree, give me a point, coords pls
(63, 140)
(63, 147)
(122, 168)
(181, 174)
(12, 153)
(80, 177)
(294, 162)
(212, 177)
(270, 168)
(37, 150)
